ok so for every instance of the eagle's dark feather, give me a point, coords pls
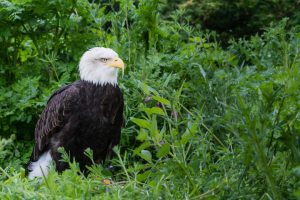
(79, 116)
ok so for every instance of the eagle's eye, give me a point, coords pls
(103, 60)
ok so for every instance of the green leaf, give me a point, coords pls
(143, 135)
(163, 151)
(146, 155)
(143, 176)
(154, 110)
(141, 123)
(143, 146)
(162, 100)
(145, 88)
(154, 132)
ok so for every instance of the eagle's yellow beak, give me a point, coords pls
(116, 62)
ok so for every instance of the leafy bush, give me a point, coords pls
(235, 19)
(202, 122)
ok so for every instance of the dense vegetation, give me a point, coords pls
(203, 121)
(238, 18)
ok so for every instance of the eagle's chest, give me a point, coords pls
(96, 107)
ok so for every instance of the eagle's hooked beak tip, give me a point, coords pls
(117, 62)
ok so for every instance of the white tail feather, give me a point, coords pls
(40, 168)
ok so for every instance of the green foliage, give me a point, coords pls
(239, 18)
(202, 122)
(13, 153)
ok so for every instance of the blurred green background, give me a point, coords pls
(212, 95)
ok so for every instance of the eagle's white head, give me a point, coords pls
(100, 65)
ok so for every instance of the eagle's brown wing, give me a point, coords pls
(53, 118)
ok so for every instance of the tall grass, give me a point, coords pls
(202, 122)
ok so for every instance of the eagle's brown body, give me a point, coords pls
(79, 116)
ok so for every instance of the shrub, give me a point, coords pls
(202, 122)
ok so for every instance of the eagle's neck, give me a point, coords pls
(102, 82)
(100, 76)
(99, 84)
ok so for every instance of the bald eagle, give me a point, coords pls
(85, 114)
